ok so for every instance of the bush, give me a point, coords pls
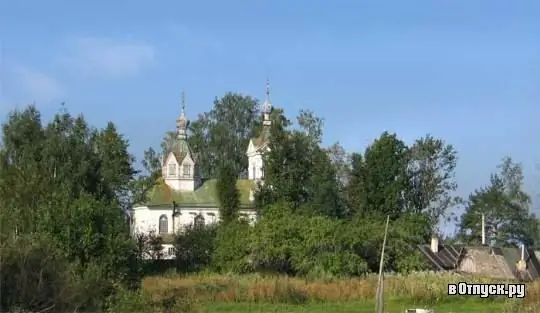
(35, 276)
(232, 252)
(194, 247)
(126, 301)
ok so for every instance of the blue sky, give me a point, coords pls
(466, 71)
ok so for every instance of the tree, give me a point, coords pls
(298, 171)
(325, 194)
(66, 181)
(194, 247)
(116, 164)
(227, 193)
(168, 142)
(386, 180)
(311, 125)
(432, 166)
(287, 165)
(356, 188)
(223, 133)
(341, 161)
(505, 207)
(233, 248)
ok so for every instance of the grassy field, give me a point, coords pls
(212, 293)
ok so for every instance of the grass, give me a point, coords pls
(255, 293)
(395, 305)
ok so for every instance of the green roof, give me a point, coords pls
(263, 138)
(180, 149)
(204, 195)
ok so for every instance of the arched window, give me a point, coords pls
(163, 224)
(254, 172)
(198, 221)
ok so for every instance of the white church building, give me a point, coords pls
(181, 197)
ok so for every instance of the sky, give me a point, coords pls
(465, 71)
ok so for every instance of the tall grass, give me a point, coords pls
(418, 288)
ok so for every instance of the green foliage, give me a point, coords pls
(385, 176)
(391, 178)
(227, 193)
(194, 247)
(129, 301)
(223, 134)
(506, 208)
(431, 167)
(311, 125)
(299, 172)
(287, 242)
(287, 168)
(325, 196)
(70, 183)
(232, 248)
(35, 276)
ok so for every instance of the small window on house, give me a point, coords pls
(187, 170)
(171, 251)
(262, 171)
(163, 224)
(171, 170)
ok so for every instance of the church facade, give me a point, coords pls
(181, 197)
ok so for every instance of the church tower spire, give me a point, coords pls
(182, 122)
(267, 106)
(180, 166)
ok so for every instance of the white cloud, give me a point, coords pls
(106, 57)
(35, 85)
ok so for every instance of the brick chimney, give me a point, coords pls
(434, 244)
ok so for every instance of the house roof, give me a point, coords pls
(448, 257)
(204, 196)
(262, 140)
(180, 149)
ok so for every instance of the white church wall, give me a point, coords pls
(255, 166)
(146, 220)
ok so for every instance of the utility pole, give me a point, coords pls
(379, 301)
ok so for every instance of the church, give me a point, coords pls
(181, 197)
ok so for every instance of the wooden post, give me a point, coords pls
(483, 230)
(380, 285)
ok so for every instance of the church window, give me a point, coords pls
(244, 217)
(198, 221)
(262, 172)
(171, 171)
(187, 170)
(212, 217)
(254, 169)
(163, 224)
